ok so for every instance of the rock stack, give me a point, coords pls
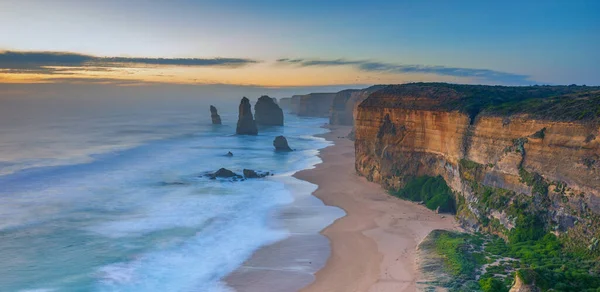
(268, 113)
(280, 143)
(216, 119)
(246, 124)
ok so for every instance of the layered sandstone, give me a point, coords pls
(421, 129)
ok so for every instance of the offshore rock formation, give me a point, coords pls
(285, 103)
(280, 143)
(346, 102)
(223, 173)
(249, 173)
(507, 152)
(246, 124)
(216, 119)
(267, 112)
(312, 105)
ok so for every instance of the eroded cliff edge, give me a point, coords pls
(512, 155)
(345, 103)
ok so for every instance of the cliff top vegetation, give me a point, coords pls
(572, 102)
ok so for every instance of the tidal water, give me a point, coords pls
(112, 198)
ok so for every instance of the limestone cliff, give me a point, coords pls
(312, 105)
(345, 103)
(246, 124)
(503, 150)
(267, 112)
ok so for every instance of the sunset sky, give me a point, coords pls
(299, 43)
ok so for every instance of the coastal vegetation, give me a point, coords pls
(572, 102)
(431, 190)
(483, 262)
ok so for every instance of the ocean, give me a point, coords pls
(112, 197)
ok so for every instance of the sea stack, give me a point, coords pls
(246, 124)
(216, 119)
(280, 143)
(268, 113)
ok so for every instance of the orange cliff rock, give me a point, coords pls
(412, 130)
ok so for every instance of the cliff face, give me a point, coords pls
(312, 105)
(267, 112)
(295, 103)
(345, 103)
(499, 165)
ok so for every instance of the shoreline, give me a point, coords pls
(374, 245)
(290, 264)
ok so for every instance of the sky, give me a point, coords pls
(297, 44)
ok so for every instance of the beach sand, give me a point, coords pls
(372, 248)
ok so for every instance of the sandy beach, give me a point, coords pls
(373, 246)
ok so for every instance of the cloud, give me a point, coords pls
(60, 62)
(373, 66)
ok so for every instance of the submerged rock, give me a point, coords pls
(216, 119)
(249, 173)
(246, 124)
(280, 143)
(267, 112)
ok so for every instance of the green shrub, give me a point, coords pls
(492, 285)
(458, 258)
(433, 191)
(527, 227)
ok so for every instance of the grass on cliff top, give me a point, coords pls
(579, 102)
(432, 191)
(583, 106)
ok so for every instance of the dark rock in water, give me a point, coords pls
(216, 119)
(224, 173)
(249, 173)
(281, 144)
(268, 113)
(246, 124)
(229, 154)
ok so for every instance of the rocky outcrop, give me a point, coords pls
(531, 152)
(285, 103)
(249, 173)
(246, 124)
(267, 112)
(345, 103)
(228, 174)
(520, 286)
(280, 143)
(216, 119)
(312, 105)
(223, 173)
